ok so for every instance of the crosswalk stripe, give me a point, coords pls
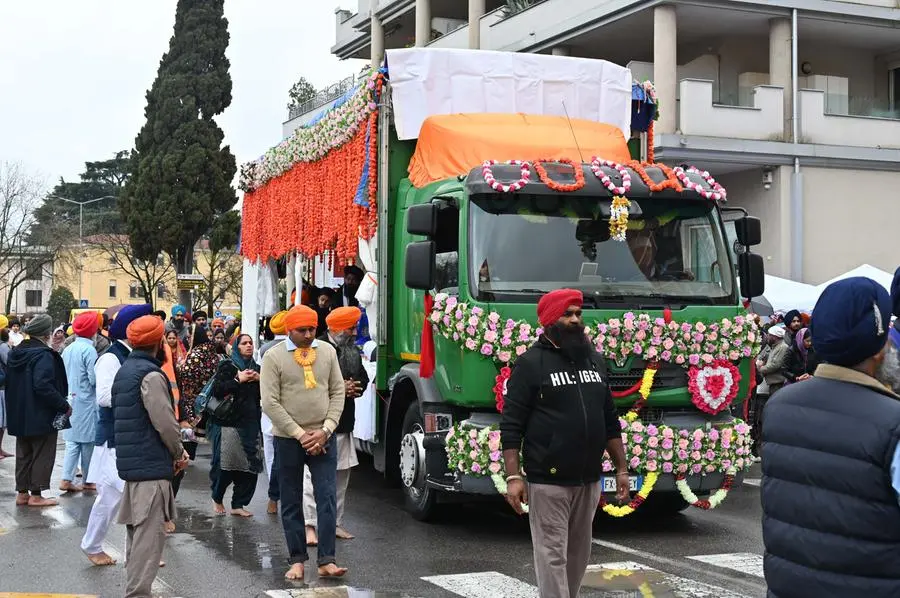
(491, 584)
(742, 562)
(486, 584)
(752, 481)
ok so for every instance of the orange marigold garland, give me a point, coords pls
(560, 187)
(650, 150)
(670, 182)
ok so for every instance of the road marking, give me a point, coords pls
(319, 592)
(487, 584)
(619, 576)
(662, 582)
(753, 481)
(742, 562)
(682, 564)
(32, 595)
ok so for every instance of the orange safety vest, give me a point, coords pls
(169, 369)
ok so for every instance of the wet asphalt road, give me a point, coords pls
(477, 550)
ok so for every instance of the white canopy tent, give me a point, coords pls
(877, 274)
(784, 294)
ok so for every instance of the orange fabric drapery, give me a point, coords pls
(453, 144)
(310, 208)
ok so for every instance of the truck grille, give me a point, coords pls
(668, 376)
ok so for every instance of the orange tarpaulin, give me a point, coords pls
(453, 144)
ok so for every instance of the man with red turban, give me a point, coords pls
(149, 451)
(559, 412)
(341, 335)
(79, 359)
(303, 394)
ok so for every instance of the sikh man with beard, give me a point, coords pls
(560, 412)
(178, 323)
(342, 336)
(830, 458)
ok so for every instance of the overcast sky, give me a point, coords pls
(73, 74)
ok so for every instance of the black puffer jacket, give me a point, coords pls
(563, 410)
(36, 389)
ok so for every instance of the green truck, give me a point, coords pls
(462, 263)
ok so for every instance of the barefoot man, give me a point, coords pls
(303, 394)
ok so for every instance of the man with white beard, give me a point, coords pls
(831, 457)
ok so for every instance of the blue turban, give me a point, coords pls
(126, 316)
(850, 321)
(895, 293)
(178, 309)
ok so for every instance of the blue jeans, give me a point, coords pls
(74, 452)
(323, 469)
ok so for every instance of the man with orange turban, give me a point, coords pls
(342, 336)
(79, 359)
(558, 390)
(148, 452)
(300, 382)
(279, 334)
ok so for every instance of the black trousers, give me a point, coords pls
(35, 457)
(244, 487)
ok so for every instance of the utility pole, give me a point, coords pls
(81, 205)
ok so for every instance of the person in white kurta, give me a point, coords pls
(276, 326)
(103, 471)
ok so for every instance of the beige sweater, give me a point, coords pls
(293, 408)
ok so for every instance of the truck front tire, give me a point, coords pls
(419, 498)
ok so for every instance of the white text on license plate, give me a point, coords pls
(609, 484)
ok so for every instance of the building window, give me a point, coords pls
(160, 291)
(134, 291)
(160, 261)
(34, 298)
(894, 90)
(112, 289)
(34, 270)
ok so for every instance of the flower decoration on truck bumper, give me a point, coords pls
(714, 386)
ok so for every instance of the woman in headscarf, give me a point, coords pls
(198, 368)
(58, 339)
(803, 360)
(236, 446)
(179, 353)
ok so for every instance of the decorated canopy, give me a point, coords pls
(454, 144)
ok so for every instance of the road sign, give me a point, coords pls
(191, 285)
(217, 314)
(83, 303)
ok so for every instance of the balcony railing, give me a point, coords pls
(819, 125)
(698, 115)
(324, 96)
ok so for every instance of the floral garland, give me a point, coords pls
(644, 388)
(500, 387)
(335, 128)
(487, 170)
(714, 386)
(714, 500)
(649, 449)
(559, 187)
(716, 192)
(670, 182)
(651, 338)
(637, 501)
(618, 218)
(597, 165)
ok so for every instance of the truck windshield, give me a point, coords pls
(522, 246)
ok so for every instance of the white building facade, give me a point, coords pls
(794, 105)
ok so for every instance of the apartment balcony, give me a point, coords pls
(820, 126)
(699, 115)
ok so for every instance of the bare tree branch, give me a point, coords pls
(148, 274)
(222, 274)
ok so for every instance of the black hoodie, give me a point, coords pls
(36, 389)
(563, 409)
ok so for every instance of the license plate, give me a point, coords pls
(634, 483)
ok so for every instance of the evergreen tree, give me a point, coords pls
(61, 304)
(181, 183)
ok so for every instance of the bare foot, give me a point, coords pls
(40, 501)
(169, 527)
(295, 573)
(101, 559)
(241, 513)
(311, 538)
(218, 508)
(343, 534)
(162, 563)
(332, 570)
(22, 499)
(67, 486)
(90, 487)
(272, 508)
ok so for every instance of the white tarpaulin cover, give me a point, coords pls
(878, 275)
(432, 81)
(785, 295)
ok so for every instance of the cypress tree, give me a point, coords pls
(181, 182)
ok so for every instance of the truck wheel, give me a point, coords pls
(420, 500)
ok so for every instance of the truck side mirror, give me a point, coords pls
(422, 219)
(749, 231)
(752, 273)
(420, 265)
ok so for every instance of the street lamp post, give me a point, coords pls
(81, 205)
